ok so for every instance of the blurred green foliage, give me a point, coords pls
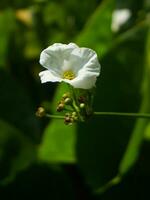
(39, 157)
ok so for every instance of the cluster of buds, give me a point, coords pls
(74, 107)
(65, 101)
(66, 104)
(70, 118)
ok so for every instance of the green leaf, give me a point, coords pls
(6, 17)
(97, 33)
(132, 151)
(101, 143)
(147, 132)
(58, 143)
(16, 106)
(16, 152)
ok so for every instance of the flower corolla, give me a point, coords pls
(69, 63)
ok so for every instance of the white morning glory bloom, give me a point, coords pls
(71, 64)
(119, 17)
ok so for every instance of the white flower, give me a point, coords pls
(119, 17)
(68, 63)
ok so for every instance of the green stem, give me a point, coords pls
(74, 105)
(111, 114)
(114, 114)
(55, 116)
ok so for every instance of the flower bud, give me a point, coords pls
(60, 107)
(82, 105)
(68, 120)
(66, 95)
(40, 112)
(68, 101)
(75, 118)
(67, 114)
(82, 99)
(74, 114)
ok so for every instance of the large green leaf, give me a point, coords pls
(58, 143)
(137, 137)
(97, 33)
(102, 142)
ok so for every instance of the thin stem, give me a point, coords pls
(55, 116)
(74, 105)
(114, 114)
(111, 114)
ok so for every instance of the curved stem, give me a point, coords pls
(114, 114)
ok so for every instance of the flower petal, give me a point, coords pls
(84, 81)
(53, 57)
(84, 59)
(47, 76)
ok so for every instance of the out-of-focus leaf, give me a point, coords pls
(32, 48)
(133, 148)
(16, 106)
(101, 142)
(54, 17)
(147, 132)
(16, 152)
(97, 33)
(58, 143)
(7, 24)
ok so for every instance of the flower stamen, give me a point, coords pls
(68, 75)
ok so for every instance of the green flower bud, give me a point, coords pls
(74, 114)
(66, 95)
(82, 105)
(67, 101)
(75, 118)
(67, 114)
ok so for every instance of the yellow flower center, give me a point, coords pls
(68, 75)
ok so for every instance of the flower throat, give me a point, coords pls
(68, 75)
